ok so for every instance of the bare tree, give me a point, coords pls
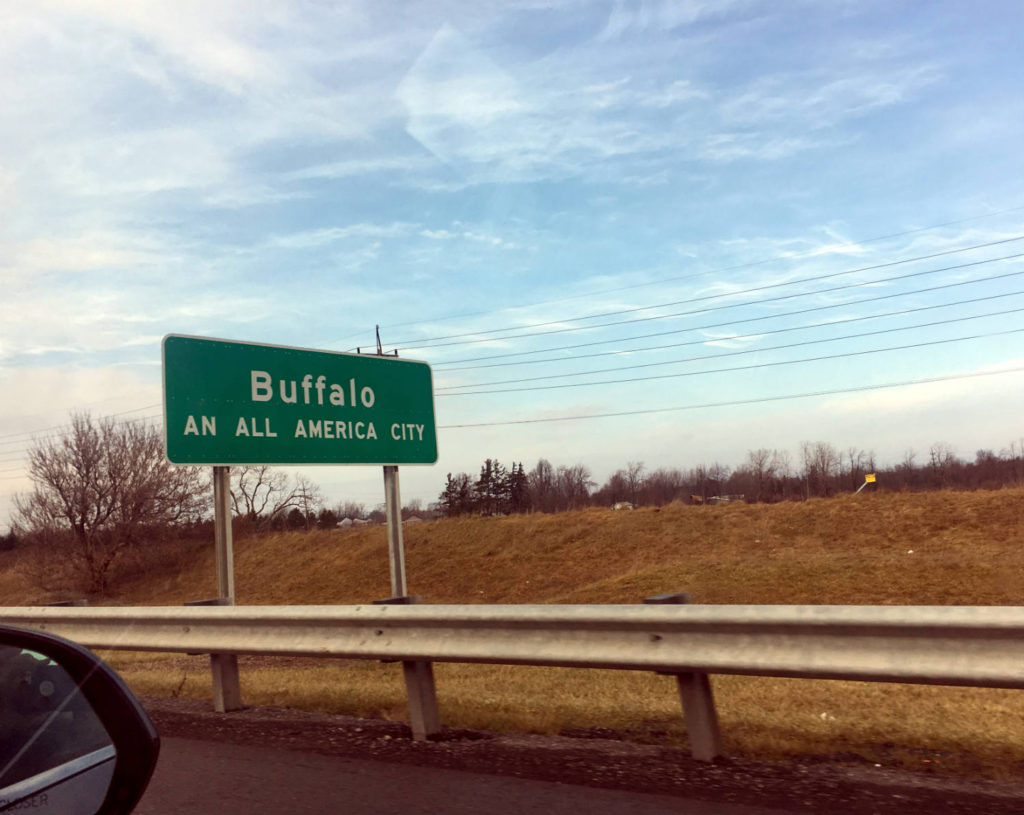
(664, 485)
(350, 509)
(573, 485)
(634, 480)
(614, 490)
(543, 490)
(309, 499)
(99, 488)
(821, 463)
(942, 461)
(261, 494)
(762, 464)
(718, 474)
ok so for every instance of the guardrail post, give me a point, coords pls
(227, 691)
(420, 689)
(697, 698)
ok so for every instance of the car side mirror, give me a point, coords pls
(73, 737)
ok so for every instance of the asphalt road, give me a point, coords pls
(215, 777)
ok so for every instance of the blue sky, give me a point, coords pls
(297, 173)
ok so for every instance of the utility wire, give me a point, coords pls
(735, 403)
(7, 456)
(679, 278)
(65, 425)
(741, 320)
(563, 375)
(826, 324)
(757, 366)
(430, 342)
(706, 309)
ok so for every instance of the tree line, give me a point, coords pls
(766, 475)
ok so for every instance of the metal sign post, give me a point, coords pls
(869, 478)
(396, 549)
(420, 688)
(222, 534)
(227, 692)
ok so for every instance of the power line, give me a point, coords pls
(679, 278)
(706, 309)
(7, 456)
(421, 344)
(844, 304)
(735, 403)
(757, 366)
(563, 375)
(29, 433)
(705, 327)
(13, 455)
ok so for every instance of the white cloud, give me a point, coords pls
(727, 147)
(660, 15)
(362, 167)
(206, 40)
(729, 341)
(87, 252)
(819, 100)
(314, 238)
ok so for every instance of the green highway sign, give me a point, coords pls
(228, 403)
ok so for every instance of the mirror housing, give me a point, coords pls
(126, 758)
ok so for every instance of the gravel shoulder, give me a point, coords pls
(814, 785)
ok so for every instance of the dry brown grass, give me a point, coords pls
(968, 548)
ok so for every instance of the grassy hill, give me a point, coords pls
(913, 548)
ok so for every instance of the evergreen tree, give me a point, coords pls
(457, 496)
(518, 489)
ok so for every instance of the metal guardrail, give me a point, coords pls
(947, 645)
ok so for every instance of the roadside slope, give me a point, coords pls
(916, 549)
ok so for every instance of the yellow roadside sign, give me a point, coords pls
(869, 478)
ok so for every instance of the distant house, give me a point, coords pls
(348, 523)
(725, 499)
(623, 505)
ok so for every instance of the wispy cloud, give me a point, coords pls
(317, 238)
(818, 100)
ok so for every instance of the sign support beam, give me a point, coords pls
(227, 692)
(222, 534)
(396, 549)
